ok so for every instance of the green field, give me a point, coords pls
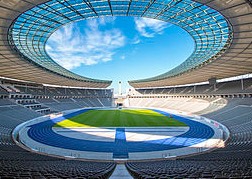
(120, 118)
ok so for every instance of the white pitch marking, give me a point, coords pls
(145, 134)
(132, 133)
(93, 134)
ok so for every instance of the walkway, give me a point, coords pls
(120, 172)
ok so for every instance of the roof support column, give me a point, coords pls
(242, 84)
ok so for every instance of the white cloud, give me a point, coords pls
(105, 20)
(150, 27)
(136, 40)
(71, 48)
(122, 57)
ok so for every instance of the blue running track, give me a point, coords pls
(42, 132)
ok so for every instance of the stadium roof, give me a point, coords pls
(222, 31)
(234, 59)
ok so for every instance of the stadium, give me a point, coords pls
(193, 121)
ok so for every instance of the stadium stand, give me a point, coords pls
(45, 100)
(233, 161)
(223, 88)
(222, 34)
(234, 111)
(3, 91)
(16, 162)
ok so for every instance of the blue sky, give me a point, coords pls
(120, 48)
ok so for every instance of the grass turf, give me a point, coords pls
(120, 118)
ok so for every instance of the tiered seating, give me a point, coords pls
(232, 161)
(55, 169)
(60, 92)
(215, 104)
(63, 106)
(24, 102)
(4, 102)
(46, 99)
(228, 87)
(106, 102)
(3, 91)
(31, 103)
(248, 84)
(191, 169)
(15, 162)
(6, 88)
(190, 105)
(64, 100)
(59, 99)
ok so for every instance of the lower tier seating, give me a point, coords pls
(16, 162)
(232, 161)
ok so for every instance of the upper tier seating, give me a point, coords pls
(45, 100)
(3, 91)
(66, 92)
(228, 87)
